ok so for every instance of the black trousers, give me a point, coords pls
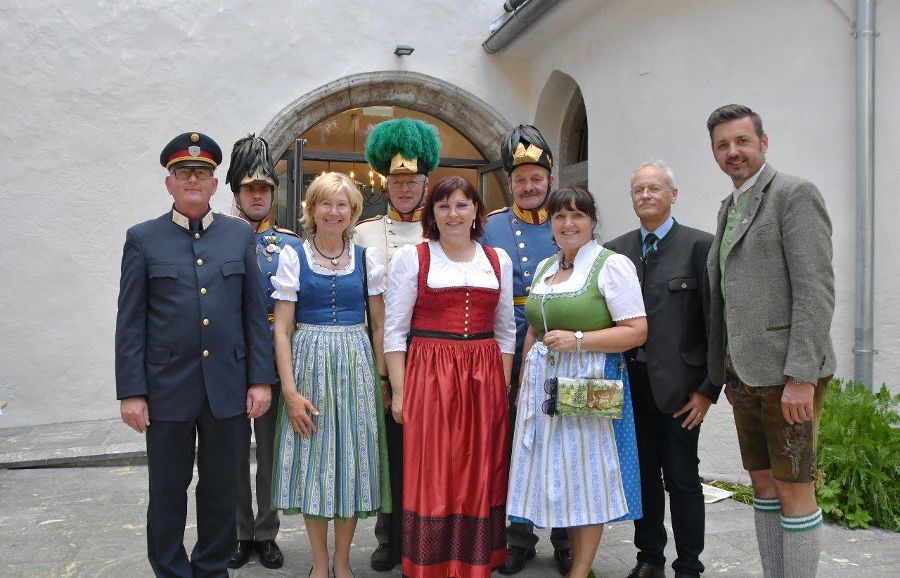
(265, 525)
(389, 527)
(669, 463)
(170, 457)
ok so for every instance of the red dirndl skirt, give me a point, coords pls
(455, 460)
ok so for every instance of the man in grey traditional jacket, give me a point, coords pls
(771, 305)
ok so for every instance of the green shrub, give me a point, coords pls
(859, 455)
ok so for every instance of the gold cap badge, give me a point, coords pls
(523, 155)
(195, 137)
(403, 166)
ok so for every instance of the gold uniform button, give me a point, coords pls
(205, 353)
(203, 291)
(206, 322)
(196, 235)
(199, 262)
(527, 273)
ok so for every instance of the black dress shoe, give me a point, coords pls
(563, 558)
(241, 554)
(382, 561)
(647, 570)
(515, 560)
(270, 554)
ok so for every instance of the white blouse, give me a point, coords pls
(403, 285)
(287, 279)
(617, 281)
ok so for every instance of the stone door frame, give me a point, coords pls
(480, 123)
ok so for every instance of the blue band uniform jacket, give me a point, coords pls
(270, 241)
(192, 321)
(527, 245)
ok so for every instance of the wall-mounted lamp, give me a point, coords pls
(403, 50)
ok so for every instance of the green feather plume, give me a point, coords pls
(413, 138)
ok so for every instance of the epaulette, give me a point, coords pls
(285, 231)
(369, 220)
(498, 211)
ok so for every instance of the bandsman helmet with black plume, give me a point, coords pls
(251, 162)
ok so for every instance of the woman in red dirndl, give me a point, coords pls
(452, 298)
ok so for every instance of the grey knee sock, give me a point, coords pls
(769, 535)
(802, 544)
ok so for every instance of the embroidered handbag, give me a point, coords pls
(590, 397)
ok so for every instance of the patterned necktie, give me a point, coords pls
(650, 243)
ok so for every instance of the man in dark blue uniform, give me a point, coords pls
(523, 231)
(251, 174)
(193, 358)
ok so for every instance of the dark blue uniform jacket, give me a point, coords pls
(192, 320)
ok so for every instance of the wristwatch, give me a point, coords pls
(578, 337)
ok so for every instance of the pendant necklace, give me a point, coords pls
(334, 260)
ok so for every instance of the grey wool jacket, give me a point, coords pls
(779, 286)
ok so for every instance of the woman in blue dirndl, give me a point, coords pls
(330, 456)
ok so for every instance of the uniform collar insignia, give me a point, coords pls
(185, 223)
(413, 217)
(529, 155)
(264, 226)
(532, 217)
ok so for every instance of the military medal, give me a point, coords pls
(272, 243)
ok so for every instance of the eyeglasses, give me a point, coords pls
(445, 208)
(551, 385)
(200, 173)
(652, 189)
(404, 185)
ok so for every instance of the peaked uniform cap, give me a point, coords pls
(191, 149)
(403, 145)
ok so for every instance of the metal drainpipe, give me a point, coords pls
(520, 14)
(864, 342)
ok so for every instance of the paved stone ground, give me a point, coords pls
(87, 520)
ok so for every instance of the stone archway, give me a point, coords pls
(472, 117)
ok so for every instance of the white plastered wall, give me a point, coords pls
(94, 90)
(652, 71)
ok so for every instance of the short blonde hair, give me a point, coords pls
(326, 186)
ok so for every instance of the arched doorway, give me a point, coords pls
(562, 114)
(353, 102)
